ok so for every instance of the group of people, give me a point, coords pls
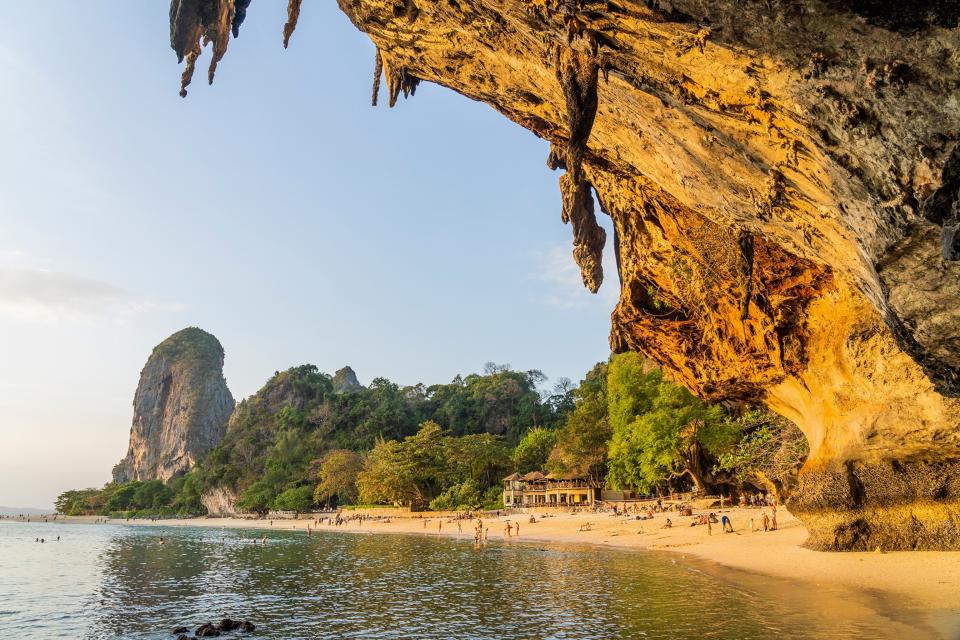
(757, 500)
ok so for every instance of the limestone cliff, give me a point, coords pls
(345, 380)
(220, 502)
(783, 178)
(180, 409)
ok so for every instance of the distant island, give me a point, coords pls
(310, 440)
(24, 511)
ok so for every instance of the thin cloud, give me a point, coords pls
(563, 284)
(34, 295)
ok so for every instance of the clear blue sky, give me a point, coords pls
(275, 209)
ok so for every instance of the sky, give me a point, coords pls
(276, 209)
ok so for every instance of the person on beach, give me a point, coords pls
(516, 529)
(459, 527)
(162, 541)
(668, 524)
(439, 526)
(263, 542)
(773, 520)
(509, 528)
(726, 524)
(766, 521)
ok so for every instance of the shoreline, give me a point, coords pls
(930, 580)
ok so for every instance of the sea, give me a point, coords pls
(118, 581)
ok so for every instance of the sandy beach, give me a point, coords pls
(929, 581)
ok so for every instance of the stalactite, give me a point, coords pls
(293, 14)
(588, 236)
(377, 73)
(399, 80)
(577, 74)
(194, 24)
(221, 35)
(239, 15)
(187, 76)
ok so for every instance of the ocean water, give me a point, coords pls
(115, 581)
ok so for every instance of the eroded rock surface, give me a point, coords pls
(781, 182)
(180, 409)
(220, 502)
(345, 380)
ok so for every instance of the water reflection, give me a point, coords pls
(119, 582)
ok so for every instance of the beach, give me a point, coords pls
(928, 581)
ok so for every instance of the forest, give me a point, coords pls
(300, 444)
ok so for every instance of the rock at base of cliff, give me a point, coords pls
(220, 502)
(889, 505)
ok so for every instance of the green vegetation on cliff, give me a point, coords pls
(304, 441)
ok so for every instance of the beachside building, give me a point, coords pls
(536, 489)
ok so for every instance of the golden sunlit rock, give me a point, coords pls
(783, 183)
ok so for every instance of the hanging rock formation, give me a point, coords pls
(782, 177)
(180, 409)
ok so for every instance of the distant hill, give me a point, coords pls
(27, 511)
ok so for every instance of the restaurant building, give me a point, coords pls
(536, 489)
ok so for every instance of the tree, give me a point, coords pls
(337, 476)
(561, 400)
(582, 442)
(187, 494)
(151, 494)
(463, 496)
(480, 458)
(534, 448)
(412, 471)
(660, 430)
(492, 368)
(75, 502)
(769, 455)
(257, 498)
(296, 499)
(122, 498)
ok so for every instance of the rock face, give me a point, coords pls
(345, 380)
(220, 502)
(783, 178)
(180, 409)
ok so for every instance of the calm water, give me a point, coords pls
(112, 581)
